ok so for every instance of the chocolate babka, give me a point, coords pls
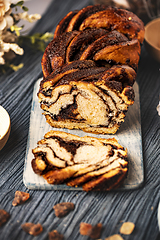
(89, 69)
(89, 162)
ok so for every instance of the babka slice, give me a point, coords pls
(93, 99)
(90, 162)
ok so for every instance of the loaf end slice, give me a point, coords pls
(95, 164)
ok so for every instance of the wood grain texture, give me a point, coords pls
(139, 206)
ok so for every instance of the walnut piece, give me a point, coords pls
(32, 229)
(127, 228)
(96, 231)
(4, 216)
(55, 235)
(93, 232)
(62, 209)
(20, 197)
(85, 229)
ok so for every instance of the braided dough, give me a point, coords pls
(89, 69)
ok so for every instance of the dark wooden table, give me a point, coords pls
(112, 208)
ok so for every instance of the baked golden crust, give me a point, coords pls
(54, 55)
(109, 18)
(89, 69)
(63, 24)
(89, 162)
(116, 19)
(82, 14)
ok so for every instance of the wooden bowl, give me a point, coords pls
(152, 38)
(5, 126)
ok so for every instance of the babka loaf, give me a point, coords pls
(90, 162)
(89, 69)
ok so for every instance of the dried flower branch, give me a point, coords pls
(37, 40)
(10, 32)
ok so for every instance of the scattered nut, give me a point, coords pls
(32, 229)
(20, 197)
(96, 231)
(127, 228)
(4, 216)
(62, 209)
(114, 237)
(85, 229)
(93, 232)
(55, 235)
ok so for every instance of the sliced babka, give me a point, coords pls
(89, 162)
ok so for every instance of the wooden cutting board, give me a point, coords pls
(129, 136)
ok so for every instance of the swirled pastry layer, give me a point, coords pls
(89, 162)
